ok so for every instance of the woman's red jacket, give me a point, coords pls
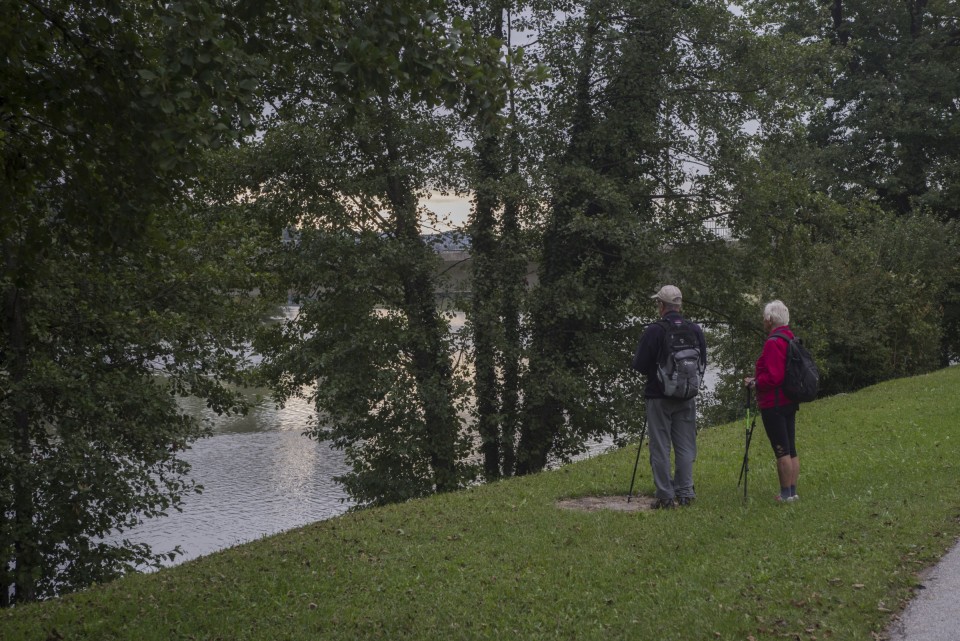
(770, 370)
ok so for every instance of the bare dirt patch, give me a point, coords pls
(617, 503)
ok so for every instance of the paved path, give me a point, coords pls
(934, 613)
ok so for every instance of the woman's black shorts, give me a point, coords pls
(781, 426)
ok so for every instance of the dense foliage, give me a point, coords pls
(106, 281)
(848, 210)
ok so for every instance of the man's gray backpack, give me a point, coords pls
(679, 365)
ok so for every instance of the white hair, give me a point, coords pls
(777, 313)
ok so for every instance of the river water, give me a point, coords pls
(260, 476)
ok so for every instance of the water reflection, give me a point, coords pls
(260, 476)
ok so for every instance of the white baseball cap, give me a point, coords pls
(669, 294)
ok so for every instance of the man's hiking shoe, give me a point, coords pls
(664, 504)
(685, 501)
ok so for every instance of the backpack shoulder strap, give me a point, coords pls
(666, 326)
(788, 340)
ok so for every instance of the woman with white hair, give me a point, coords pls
(777, 409)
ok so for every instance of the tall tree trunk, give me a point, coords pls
(432, 369)
(485, 253)
(555, 326)
(841, 31)
(513, 265)
(917, 9)
(513, 280)
(483, 248)
(21, 540)
(7, 542)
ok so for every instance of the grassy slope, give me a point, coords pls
(880, 500)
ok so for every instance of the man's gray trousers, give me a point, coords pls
(672, 422)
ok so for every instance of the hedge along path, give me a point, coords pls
(880, 502)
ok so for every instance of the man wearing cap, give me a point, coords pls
(671, 422)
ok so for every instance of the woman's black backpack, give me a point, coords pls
(801, 376)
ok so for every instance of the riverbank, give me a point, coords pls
(880, 502)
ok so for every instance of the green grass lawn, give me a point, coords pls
(880, 501)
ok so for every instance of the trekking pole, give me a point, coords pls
(637, 462)
(745, 467)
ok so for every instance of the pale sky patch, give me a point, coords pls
(451, 209)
